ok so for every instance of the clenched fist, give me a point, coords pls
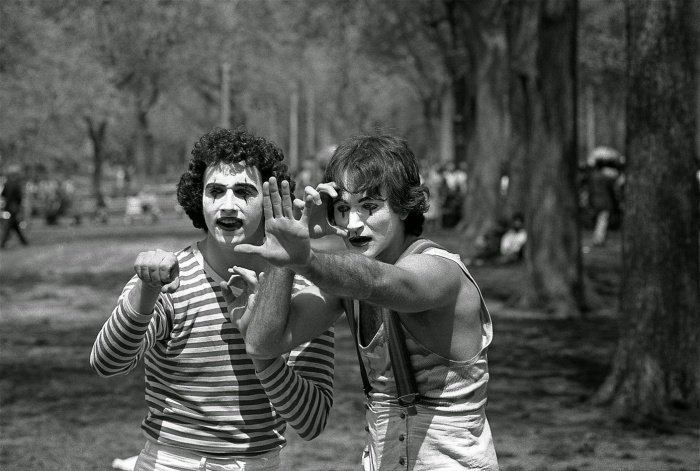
(158, 269)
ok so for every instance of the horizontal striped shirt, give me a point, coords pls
(202, 391)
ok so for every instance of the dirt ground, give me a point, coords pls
(56, 414)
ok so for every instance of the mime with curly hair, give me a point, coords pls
(211, 405)
(425, 407)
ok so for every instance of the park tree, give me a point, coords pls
(601, 74)
(59, 95)
(657, 363)
(404, 42)
(148, 48)
(453, 53)
(480, 93)
(542, 56)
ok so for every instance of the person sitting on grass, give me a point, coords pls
(513, 241)
(210, 405)
(373, 194)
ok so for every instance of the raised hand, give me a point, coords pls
(287, 239)
(318, 202)
(158, 269)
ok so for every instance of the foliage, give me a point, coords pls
(154, 67)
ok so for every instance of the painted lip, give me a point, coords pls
(359, 241)
(229, 224)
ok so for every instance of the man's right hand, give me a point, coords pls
(158, 269)
(287, 240)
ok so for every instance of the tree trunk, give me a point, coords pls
(311, 147)
(97, 133)
(225, 120)
(589, 96)
(544, 123)
(657, 363)
(145, 146)
(447, 127)
(293, 153)
(478, 82)
(488, 150)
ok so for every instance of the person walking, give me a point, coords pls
(12, 195)
(603, 198)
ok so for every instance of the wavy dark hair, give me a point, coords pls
(373, 163)
(227, 146)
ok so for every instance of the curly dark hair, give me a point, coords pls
(227, 146)
(371, 163)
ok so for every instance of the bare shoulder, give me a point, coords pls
(442, 271)
(430, 265)
(441, 275)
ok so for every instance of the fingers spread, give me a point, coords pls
(267, 204)
(287, 208)
(275, 198)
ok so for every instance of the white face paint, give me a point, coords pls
(232, 203)
(374, 229)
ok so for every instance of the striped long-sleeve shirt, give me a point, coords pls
(202, 391)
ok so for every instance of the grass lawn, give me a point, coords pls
(56, 414)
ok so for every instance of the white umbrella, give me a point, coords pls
(605, 154)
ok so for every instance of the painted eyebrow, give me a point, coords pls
(362, 200)
(236, 185)
(369, 198)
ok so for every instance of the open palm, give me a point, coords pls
(287, 240)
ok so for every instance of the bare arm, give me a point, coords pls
(276, 322)
(267, 318)
(280, 312)
(415, 284)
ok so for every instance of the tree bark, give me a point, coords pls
(97, 133)
(544, 125)
(447, 127)
(657, 363)
(293, 153)
(481, 109)
(487, 151)
(225, 120)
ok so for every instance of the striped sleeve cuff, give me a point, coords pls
(270, 375)
(131, 313)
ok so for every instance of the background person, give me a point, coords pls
(210, 405)
(513, 241)
(12, 194)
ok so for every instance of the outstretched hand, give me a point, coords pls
(287, 238)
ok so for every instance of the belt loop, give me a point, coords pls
(203, 463)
